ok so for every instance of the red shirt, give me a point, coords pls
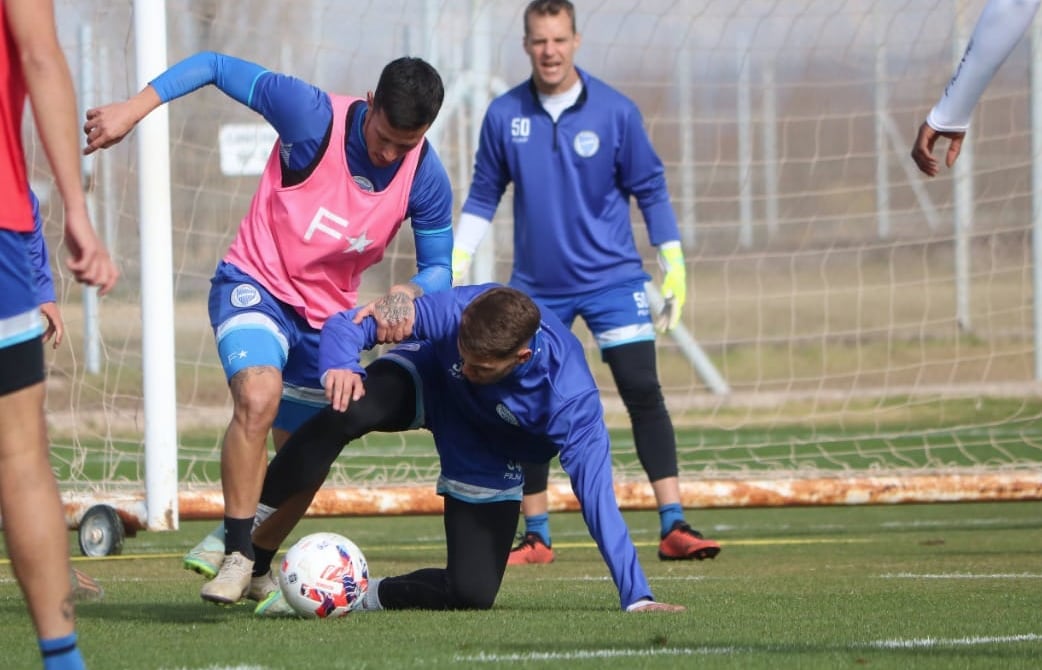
(14, 184)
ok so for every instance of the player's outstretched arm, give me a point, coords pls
(998, 30)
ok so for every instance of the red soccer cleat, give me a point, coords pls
(683, 543)
(531, 550)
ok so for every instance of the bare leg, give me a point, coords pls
(34, 521)
(667, 491)
(255, 393)
(535, 503)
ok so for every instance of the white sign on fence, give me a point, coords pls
(245, 148)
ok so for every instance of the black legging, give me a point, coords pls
(478, 539)
(389, 405)
(478, 536)
(636, 376)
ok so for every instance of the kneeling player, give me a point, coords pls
(498, 381)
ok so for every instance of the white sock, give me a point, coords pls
(261, 515)
(371, 601)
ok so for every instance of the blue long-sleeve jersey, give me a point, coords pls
(549, 405)
(572, 183)
(39, 260)
(301, 115)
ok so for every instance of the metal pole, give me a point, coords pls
(881, 102)
(963, 185)
(745, 145)
(685, 103)
(484, 265)
(91, 326)
(1036, 190)
(770, 149)
(157, 306)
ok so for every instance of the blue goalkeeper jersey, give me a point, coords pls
(573, 180)
(301, 114)
(549, 405)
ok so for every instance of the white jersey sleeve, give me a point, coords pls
(998, 30)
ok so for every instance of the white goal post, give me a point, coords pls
(855, 332)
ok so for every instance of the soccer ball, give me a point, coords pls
(324, 575)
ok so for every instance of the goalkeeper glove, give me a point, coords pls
(674, 285)
(460, 265)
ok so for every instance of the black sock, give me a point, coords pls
(262, 560)
(237, 536)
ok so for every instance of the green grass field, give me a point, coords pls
(924, 586)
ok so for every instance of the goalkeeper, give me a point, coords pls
(576, 151)
(496, 380)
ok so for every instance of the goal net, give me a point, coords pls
(873, 328)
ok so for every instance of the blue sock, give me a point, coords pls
(540, 525)
(61, 653)
(669, 515)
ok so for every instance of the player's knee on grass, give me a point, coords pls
(472, 595)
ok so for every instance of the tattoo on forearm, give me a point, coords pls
(393, 309)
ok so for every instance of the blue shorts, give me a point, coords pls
(19, 310)
(470, 471)
(615, 315)
(253, 328)
(21, 326)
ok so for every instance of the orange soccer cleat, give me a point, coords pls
(683, 543)
(531, 550)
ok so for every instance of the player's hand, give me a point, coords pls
(674, 286)
(652, 606)
(394, 314)
(109, 124)
(55, 324)
(88, 259)
(460, 265)
(343, 387)
(922, 150)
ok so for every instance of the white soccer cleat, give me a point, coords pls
(262, 586)
(232, 581)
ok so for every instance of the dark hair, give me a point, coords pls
(498, 323)
(549, 8)
(409, 93)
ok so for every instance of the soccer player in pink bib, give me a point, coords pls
(342, 177)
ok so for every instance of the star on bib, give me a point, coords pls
(357, 244)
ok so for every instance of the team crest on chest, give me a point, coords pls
(506, 415)
(586, 143)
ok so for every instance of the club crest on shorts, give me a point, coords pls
(586, 143)
(245, 295)
(506, 414)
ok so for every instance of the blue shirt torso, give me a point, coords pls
(573, 180)
(550, 405)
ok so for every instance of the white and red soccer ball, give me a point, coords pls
(324, 575)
